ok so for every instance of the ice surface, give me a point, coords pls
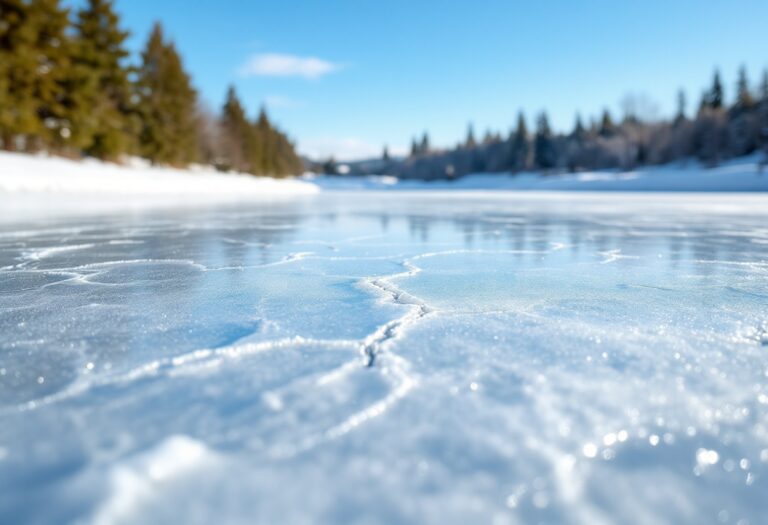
(389, 358)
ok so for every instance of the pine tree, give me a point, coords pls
(681, 103)
(262, 162)
(579, 133)
(744, 98)
(716, 97)
(607, 127)
(414, 148)
(520, 153)
(168, 104)
(424, 146)
(104, 122)
(18, 70)
(54, 48)
(470, 142)
(329, 166)
(544, 148)
(289, 163)
(385, 154)
(235, 130)
(34, 64)
(270, 152)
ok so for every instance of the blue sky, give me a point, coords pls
(348, 76)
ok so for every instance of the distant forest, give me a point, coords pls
(717, 131)
(67, 87)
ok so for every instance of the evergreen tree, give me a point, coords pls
(521, 147)
(104, 123)
(385, 154)
(235, 131)
(168, 104)
(710, 133)
(681, 103)
(414, 148)
(270, 151)
(579, 132)
(715, 96)
(329, 166)
(50, 89)
(744, 98)
(34, 64)
(607, 127)
(260, 145)
(544, 148)
(424, 146)
(743, 125)
(18, 67)
(470, 142)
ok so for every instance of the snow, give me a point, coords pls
(27, 174)
(738, 175)
(402, 357)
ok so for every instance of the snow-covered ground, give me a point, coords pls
(43, 182)
(22, 174)
(386, 358)
(740, 175)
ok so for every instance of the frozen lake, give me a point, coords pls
(387, 358)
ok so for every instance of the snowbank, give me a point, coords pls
(740, 175)
(34, 174)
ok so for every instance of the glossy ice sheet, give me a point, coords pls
(389, 358)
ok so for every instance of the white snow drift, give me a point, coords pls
(21, 173)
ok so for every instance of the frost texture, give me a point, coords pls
(389, 358)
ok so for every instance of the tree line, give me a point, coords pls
(67, 87)
(715, 132)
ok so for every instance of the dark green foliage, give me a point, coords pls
(53, 69)
(544, 145)
(104, 120)
(744, 98)
(714, 98)
(520, 149)
(424, 147)
(329, 167)
(34, 65)
(235, 132)
(167, 104)
(254, 147)
(274, 152)
(17, 72)
(607, 127)
(681, 103)
(470, 142)
(579, 133)
(65, 87)
(420, 147)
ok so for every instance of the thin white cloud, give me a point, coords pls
(281, 65)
